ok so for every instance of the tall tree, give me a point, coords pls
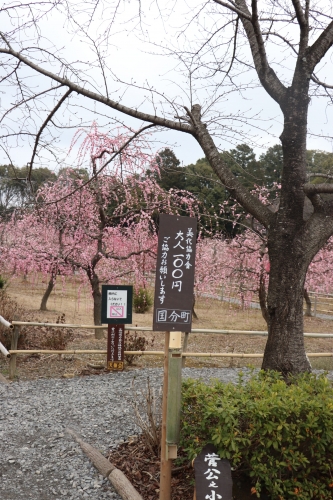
(16, 191)
(230, 38)
(169, 175)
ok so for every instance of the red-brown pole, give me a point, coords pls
(165, 475)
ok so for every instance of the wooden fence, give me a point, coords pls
(16, 325)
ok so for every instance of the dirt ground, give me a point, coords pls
(76, 303)
(140, 466)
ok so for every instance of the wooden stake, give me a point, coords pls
(118, 479)
(174, 393)
(12, 359)
(186, 336)
(165, 475)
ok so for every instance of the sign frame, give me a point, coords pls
(126, 316)
(175, 267)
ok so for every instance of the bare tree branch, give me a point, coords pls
(94, 177)
(319, 48)
(48, 119)
(157, 120)
(322, 84)
(326, 176)
(299, 13)
(266, 74)
(312, 189)
(241, 13)
(251, 204)
(302, 19)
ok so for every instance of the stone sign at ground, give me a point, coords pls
(212, 475)
(175, 273)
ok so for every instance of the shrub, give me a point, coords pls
(133, 342)
(142, 301)
(31, 337)
(10, 310)
(148, 416)
(3, 282)
(279, 435)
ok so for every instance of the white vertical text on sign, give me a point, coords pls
(212, 475)
(175, 273)
(115, 350)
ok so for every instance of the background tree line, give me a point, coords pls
(198, 179)
(254, 173)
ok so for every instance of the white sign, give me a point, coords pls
(116, 304)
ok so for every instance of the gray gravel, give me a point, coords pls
(39, 461)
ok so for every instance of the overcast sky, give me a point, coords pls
(136, 56)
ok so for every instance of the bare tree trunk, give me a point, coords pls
(263, 298)
(285, 351)
(308, 303)
(194, 314)
(47, 293)
(97, 300)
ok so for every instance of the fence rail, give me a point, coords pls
(150, 329)
(16, 325)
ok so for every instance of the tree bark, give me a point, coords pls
(288, 235)
(285, 351)
(97, 301)
(263, 298)
(47, 294)
(287, 248)
(308, 303)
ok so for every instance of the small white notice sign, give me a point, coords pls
(116, 304)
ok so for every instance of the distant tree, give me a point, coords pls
(243, 163)
(77, 174)
(170, 175)
(15, 190)
(271, 165)
(319, 162)
(204, 184)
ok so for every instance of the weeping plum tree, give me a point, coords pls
(100, 225)
(223, 46)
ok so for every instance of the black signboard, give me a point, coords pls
(175, 273)
(212, 475)
(115, 351)
(117, 304)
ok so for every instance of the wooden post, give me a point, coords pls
(12, 360)
(315, 306)
(165, 475)
(174, 393)
(185, 348)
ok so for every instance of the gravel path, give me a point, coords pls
(39, 461)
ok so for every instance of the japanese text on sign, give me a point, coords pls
(212, 475)
(115, 351)
(175, 272)
(116, 303)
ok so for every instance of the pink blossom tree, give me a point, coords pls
(101, 226)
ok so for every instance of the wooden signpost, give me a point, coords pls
(173, 314)
(175, 273)
(115, 349)
(116, 312)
